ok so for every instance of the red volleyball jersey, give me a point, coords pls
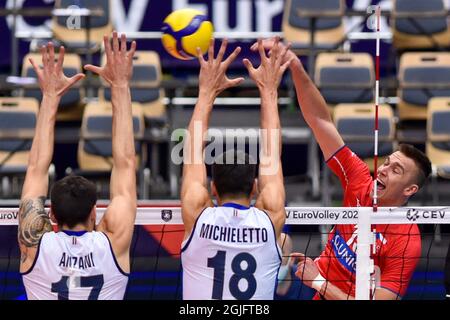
(398, 247)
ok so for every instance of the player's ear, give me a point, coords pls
(411, 190)
(214, 190)
(254, 192)
(93, 215)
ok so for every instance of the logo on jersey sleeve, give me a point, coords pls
(345, 255)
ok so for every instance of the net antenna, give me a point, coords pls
(364, 263)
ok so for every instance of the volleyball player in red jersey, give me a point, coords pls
(398, 247)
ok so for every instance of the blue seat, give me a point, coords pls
(102, 125)
(148, 93)
(355, 123)
(438, 134)
(422, 76)
(438, 141)
(329, 29)
(345, 78)
(95, 147)
(18, 118)
(71, 104)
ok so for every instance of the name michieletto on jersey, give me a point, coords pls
(235, 235)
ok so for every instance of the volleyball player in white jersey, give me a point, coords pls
(230, 251)
(78, 262)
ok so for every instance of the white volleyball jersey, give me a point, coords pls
(232, 253)
(72, 265)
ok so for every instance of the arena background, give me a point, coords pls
(156, 269)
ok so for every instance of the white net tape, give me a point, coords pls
(294, 215)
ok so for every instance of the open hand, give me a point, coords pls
(268, 44)
(213, 79)
(119, 62)
(52, 80)
(268, 75)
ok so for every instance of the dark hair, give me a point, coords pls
(233, 174)
(73, 198)
(422, 162)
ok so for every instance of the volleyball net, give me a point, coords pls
(156, 271)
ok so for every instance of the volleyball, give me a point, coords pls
(184, 30)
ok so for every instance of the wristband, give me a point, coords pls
(318, 282)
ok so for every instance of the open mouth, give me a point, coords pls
(380, 185)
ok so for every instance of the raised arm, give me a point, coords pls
(118, 221)
(33, 221)
(312, 105)
(270, 179)
(212, 81)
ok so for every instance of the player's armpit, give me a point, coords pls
(33, 223)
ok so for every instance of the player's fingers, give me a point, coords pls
(234, 82)
(223, 48)
(51, 55)
(132, 49)
(71, 82)
(60, 62)
(123, 44)
(275, 49)
(297, 256)
(44, 56)
(248, 65)
(75, 79)
(283, 52)
(285, 65)
(211, 51)
(201, 60)
(108, 49)
(262, 53)
(115, 42)
(232, 57)
(93, 68)
(35, 66)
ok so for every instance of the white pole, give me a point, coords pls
(364, 265)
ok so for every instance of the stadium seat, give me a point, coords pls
(422, 76)
(438, 135)
(95, 146)
(75, 39)
(71, 105)
(355, 123)
(417, 24)
(329, 29)
(17, 123)
(147, 77)
(345, 77)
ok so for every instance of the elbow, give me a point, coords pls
(129, 163)
(34, 168)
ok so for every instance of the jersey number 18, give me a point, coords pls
(218, 264)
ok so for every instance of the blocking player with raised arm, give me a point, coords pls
(230, 250)
(398, 247)
(80, 261)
